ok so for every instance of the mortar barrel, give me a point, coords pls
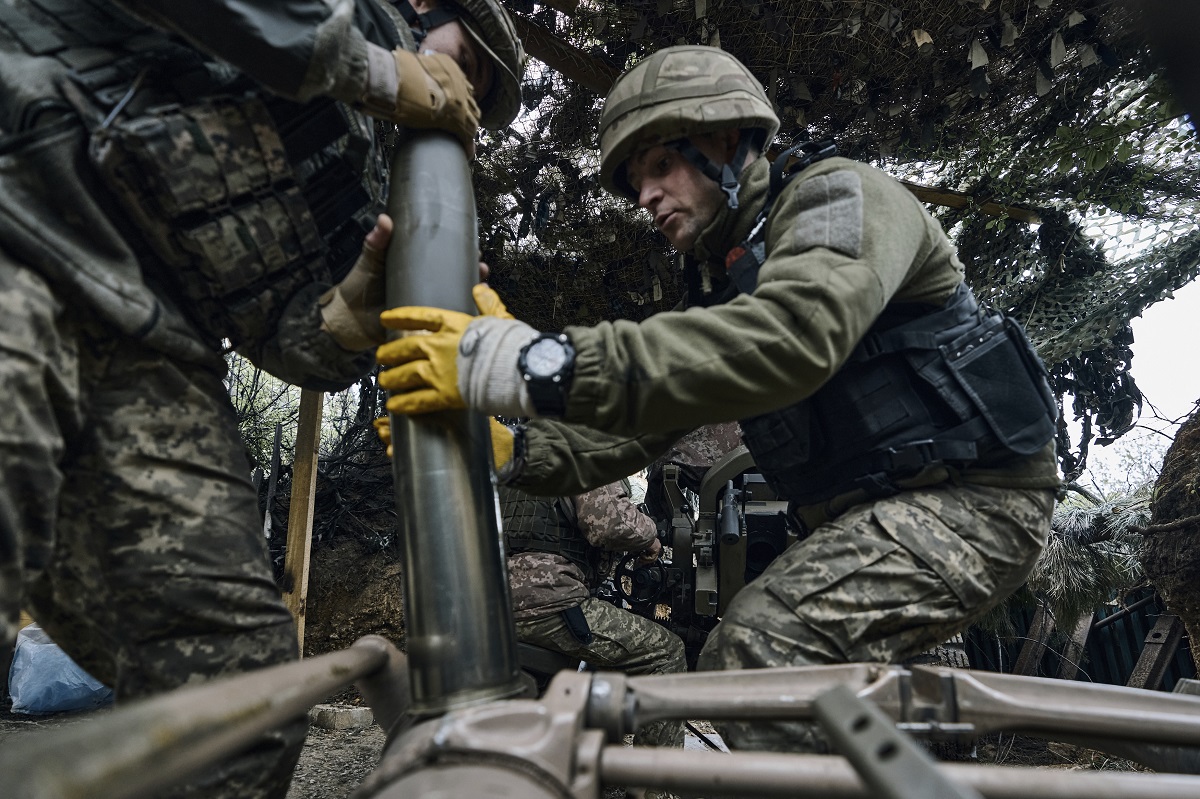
(460, 641)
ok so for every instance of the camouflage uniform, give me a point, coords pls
(879, 579)
(544, 584)
(128, 523)
(694, 454)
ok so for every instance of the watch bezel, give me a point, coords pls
(548, 392)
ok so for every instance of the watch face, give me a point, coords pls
(545, 358)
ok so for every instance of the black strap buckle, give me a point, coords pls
(912, 456)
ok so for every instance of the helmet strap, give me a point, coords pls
(422, 24)
(727, 175)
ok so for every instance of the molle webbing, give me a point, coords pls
(242, 198)
(545, 524)
(929, 387)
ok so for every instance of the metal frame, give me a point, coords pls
(569, 743)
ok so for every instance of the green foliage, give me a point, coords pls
(1089, 559)
(262, 403)
(1090, 556)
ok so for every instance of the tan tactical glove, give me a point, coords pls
(421, 90)
(434, 93)
(350, 310)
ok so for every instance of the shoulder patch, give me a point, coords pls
(830, 213)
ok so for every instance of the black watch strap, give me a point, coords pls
(548, 392)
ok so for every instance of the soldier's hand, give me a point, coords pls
(383, 429)
(434, 368)
(424, 373)
(502, 440)
(502, 444)
(651, 553)
(350, 310)
(434, 93)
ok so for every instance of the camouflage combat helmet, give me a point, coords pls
(677, 93)
(492, 29)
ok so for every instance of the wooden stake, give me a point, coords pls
(300, 510)
(1040, 630)
(1075, 649)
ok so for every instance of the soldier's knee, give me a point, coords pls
(674, 656)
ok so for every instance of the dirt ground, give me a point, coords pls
(352, 592)
(333, 763)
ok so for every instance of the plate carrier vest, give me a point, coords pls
(924, 387)
(233, 197)
(546, 524)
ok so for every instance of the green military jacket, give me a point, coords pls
(842, 242)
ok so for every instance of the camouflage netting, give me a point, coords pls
(1047, 108)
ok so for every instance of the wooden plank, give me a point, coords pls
(957, 199)
(1040, 630)
(1075, 648)
(300, 511)
(1161, 644)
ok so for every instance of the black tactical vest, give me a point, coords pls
(924, 387)
(546, 524)
(232, 198)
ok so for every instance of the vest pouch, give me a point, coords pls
(992, 365)
(210, 188)
(782, 445)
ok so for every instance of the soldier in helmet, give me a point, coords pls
(179, 179)
(910, 430)
(557, 549)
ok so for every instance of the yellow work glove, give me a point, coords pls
(502, 444)
(489, 303)
(383, 429)
(424, 373)
(350, 310)
(434, 93)
(424, 377)
(502, 440)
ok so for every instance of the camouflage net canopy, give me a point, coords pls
(1038, 131)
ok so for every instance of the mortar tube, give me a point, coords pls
(460, 640)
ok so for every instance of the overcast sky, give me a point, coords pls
(1166, 352)
(1166, 367)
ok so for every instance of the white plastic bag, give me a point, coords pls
(44, 679)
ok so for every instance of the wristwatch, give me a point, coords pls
(546, 365)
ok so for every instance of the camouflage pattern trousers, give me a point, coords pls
(883, 582)
(128, 524)
(621, 641)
